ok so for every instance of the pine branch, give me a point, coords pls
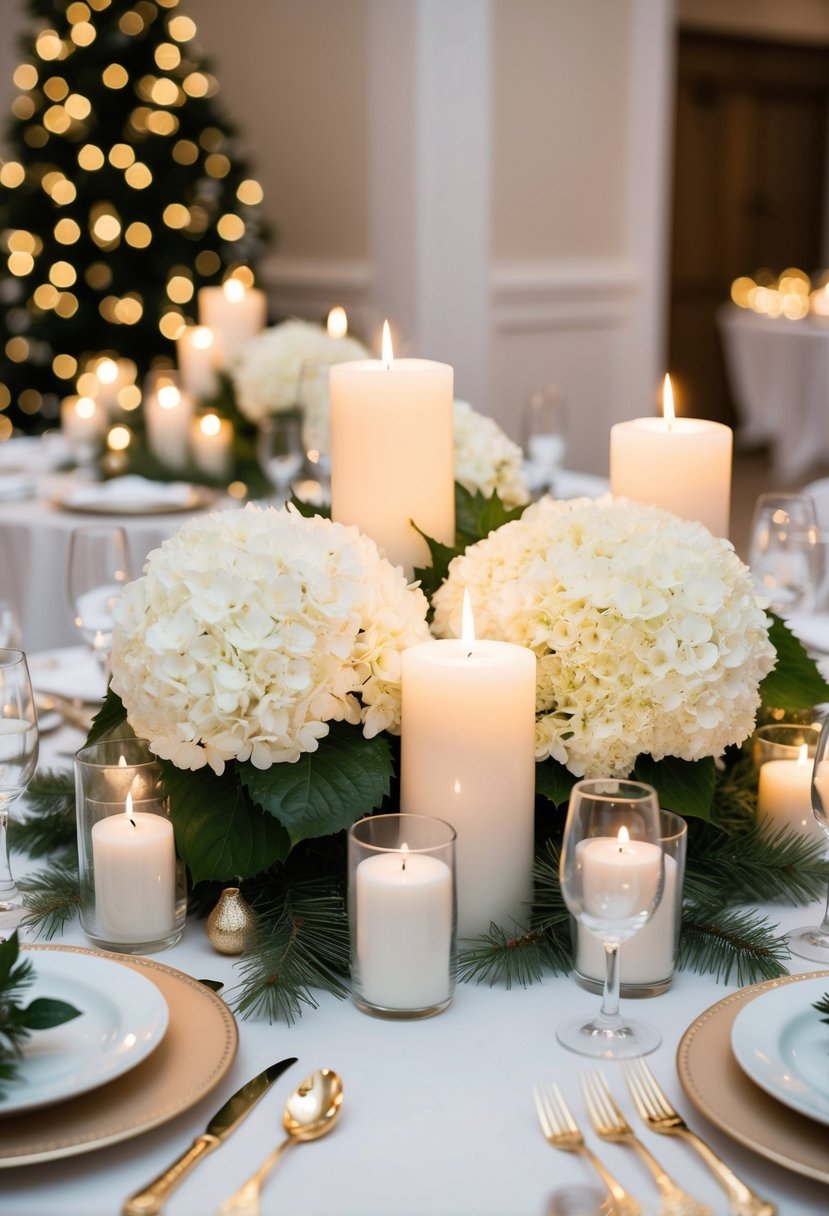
(52, 898)
(523, 956)
(725, 868)
(49, 826)
(302, 943)
(731, 941)
(822, 1006)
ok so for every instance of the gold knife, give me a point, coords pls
(151, 1199)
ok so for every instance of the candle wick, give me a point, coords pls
(404, 863)
(132, 821)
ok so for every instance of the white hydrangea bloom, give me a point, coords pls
(252, 629)
(266, 372)
(648, 634)
(486, 459)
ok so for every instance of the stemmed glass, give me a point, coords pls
(280, 451)
(785, 551)
(545, 437)
(98, 571)
(612, 874)
(812, 942)
(18, 757)
(312, 397)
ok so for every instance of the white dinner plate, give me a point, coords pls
(124, 1018)
(780, 1042)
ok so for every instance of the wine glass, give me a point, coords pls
(312, 398)
(545, 442)
(18, 757)
(785, 551)
(98, 571)
(812, 942)
(612, 873)
(280, 451)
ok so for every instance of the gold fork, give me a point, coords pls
(609, 1123)
(560, 1129)
(654, 1108)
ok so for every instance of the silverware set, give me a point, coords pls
(652, 1104)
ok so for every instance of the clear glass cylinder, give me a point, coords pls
(133, 896)
(783, 741)
(402, 908)
(647, 961)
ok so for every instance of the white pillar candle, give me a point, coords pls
(392, 453)
(404, 930)
(196, 355)
(167, 415)
(468, 756)
(620, 880)
(83, 421)
(111, 376)
(681, 464)
(648, 956)
(235, 314)
(211, 442)
(784, 795)
(134, 860)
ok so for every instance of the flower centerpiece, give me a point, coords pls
(486, 459)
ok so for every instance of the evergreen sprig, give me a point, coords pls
(732, 940)
(517, 956)
(52, 899)
(16, 1020)
(302, 943)
(49, 827)
(728, 868)
(822, 1006)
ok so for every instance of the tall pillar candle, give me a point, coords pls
(235, 314)
(681, 464)
(468, 756)
(196, 355)
(392, 453)
(211, 442)
(167, 414)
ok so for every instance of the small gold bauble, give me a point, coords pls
(231, 924)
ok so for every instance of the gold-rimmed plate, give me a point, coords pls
(721, 1091)
(190, 498)
(182, 1069)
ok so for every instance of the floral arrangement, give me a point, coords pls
(486, 459)
(647, 631)
(266, 373)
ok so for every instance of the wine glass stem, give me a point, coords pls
(8, 890)
(609, 1015)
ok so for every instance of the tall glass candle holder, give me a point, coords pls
(402, 915)
(133, 896)
(783, 756)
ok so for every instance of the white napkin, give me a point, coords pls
(72, 672)
(35, 453)
(130, 491)
(812, 628)
(14, 486)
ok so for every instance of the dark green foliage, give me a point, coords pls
(795, 682)
(17, 1021)
(52, 898)
(731, 941)
(822, 1006)
(48, 829)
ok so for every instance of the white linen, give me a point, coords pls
(129, 492)
(438, 1115)
(35, 453)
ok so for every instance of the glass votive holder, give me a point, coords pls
(133, 896)
(783, 756)
(647, 960)
(402, 915)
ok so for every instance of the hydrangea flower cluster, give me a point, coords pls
(486, 459)
(266, 373)
(648, 634)
(252, 629)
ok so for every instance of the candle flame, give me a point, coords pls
(107, 371)
(128, 807)
(202, 337)
(122, 762)
(467, 622)
(623, 838)
(668, 412)
(337, 323)
(168, 397)
(387, 352)
(85, 407)
(234, 290)
(803, 754)
(210, 424)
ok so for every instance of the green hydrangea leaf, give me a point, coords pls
(326, 790)
(684, 786)
(110, 717)
(795, 682)
(45, 1012)
(220, 833)
(553, 781)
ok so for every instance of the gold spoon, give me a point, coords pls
(310, 1112)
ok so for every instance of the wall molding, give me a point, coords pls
(309, 287)
(533, 295)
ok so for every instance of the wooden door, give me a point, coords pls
(749, 186)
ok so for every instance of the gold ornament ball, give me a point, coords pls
(231, 924)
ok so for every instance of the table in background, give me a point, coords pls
(438, 1114)
(779, 376)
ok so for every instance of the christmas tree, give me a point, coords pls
(126, 194)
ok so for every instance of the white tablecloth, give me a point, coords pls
(438, 1114)
(779, 376)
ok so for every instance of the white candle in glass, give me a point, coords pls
(620, 878)
(392, 452)
(468, 756)
(784, 795)
(211, 442)
(196, 356)
(112, 375)
(404, 930)
(235, 314)
(681, 464)
(83, 421)
(167, 415)
(134, 861)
